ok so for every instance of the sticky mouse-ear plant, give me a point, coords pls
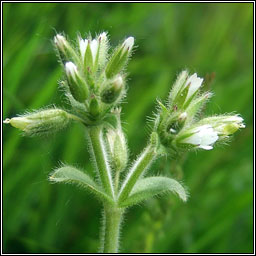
(94, 82)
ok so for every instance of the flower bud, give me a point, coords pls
(103, 49)
(77, 85)
(184, 90)
(119, 58)
(65, 50)
(41, 123)
(224, 125)
(94, 108)
(192, 85)
(127, 45)
(113, 90)
(176, 122)
(118, 148)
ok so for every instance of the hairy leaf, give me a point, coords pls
(151, 186)
(70, 174)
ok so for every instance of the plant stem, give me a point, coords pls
(117, 176)
(100, 156)
(141, 165)
(112, 221)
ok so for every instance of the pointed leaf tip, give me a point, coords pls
(152, 186)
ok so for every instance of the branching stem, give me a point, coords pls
(141, 165)
(100, 156)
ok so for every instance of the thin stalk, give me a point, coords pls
(140, 166)
(99, 154)
(112, 222)
(117, 177)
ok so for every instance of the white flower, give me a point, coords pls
(203, 137)
(128, 44)
(94, 48)
(82, 46)
(71, 70)
(194, 83)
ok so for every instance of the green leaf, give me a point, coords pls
(70, 174)
(152, 186)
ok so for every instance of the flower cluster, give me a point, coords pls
(176, 122)
(94, 83)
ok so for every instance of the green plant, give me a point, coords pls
(95, 84)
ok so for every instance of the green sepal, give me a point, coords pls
(111, 94)
(88, 59)
(111, 120)
(196, 105)
(78, 89)
(116, 62)
(94, 108)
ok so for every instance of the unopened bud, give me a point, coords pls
(118, 148)
(77, 85)
(128, 44)
(228, 129)
(94, 108)
(184, 90)
(41, 123)
(61, 42)
(119, 58)
(103, 49)
(113, 91)
(176, 123)
(226, 125)
(65, 50)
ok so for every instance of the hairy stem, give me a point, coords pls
(99, 154)
(112, 222)
(141, 165)
(117, 177)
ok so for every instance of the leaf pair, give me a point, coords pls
(145, 188)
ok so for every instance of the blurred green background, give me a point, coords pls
(39, 217)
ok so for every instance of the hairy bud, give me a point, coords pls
(119, 58)
(77, 85)
(113, 90)
(118, 148)
(41, 123)
(184, 90)
(64, 48)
